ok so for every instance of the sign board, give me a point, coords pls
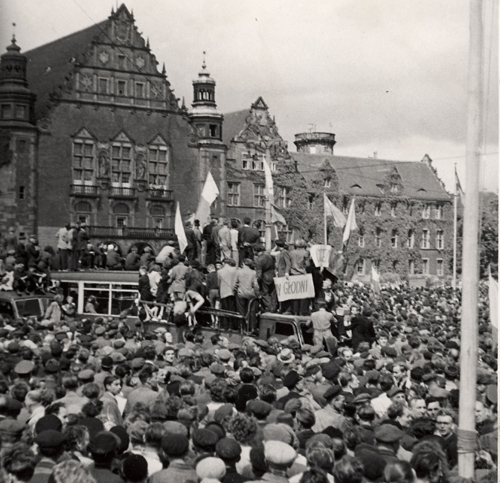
(320, 255)
(294, 287)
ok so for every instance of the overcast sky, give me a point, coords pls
(388, 76)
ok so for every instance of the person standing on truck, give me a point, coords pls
(264, 266)
(322, 320)
(132, 262)
(63, 246)
(226, 276)
(299, 258)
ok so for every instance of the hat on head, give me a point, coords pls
(279, 453)
(50, 439)
(117, 357)
(217, 368)
(361, 398)
(286, 356)
(11, 428)
(388, 433)
(373, 464)
(223, 354)
(137, 363)
(211, 468)
(260, 409)
(372, 376)
(104, 442)
(224, 411)
(204, 438)
(291, 379)
(279, 432)
(107, 363)
(49, 422)
(123, 436)
(174, 427)
(175, 444)
(330, 370)
(24, 368)
(395, 390)
(228, 449)
(100, 330)
(87, 375)
(332, 392)
(135, 468)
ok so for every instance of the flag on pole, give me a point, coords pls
(339, 219)
(375, 280)
(269, 180)
(350, 224)
(458, 188)
(209, 194)
(179, 229)
(493, 296)
(276, 215)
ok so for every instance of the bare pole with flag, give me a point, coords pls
(455, 228)
(269, 198)
(351, 223)
(339, 220)
(179, 229)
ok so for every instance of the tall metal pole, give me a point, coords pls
(325, 221)
(269, 200)
(455, 227)
(470, 263)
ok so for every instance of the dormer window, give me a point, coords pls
(328, 183)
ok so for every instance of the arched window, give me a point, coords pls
(121, 214)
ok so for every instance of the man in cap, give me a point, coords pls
(279, 457)
(387, 437)
(332, 413)
(51, 447)
(146, 393)
(103, 449)
(106, 371)
(73, 402)
(175, 447)
(229, 451)
(134, 469)
(204, 442)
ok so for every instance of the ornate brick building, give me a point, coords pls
(115, 149)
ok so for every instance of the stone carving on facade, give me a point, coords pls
(103, 163)
(122, 31)
(103, 57)
(86, 82)
(140, 167)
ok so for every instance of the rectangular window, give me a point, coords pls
(103, 85)
(393, 210)
(233, 194)
(121, 221)
(426, 211)
(158, 165)
(139, 89)
(214, 131)
(361, 240)
(21, 146)
(310, 202)
(439, 267)
(438, 212)
(121, 165)
(378, 238)
(411, 267)
(328, 183)
(20, 112)
(439, 240)
(21, 192)
(394, 239)
(121, 88)
(83, 162)
(361, 266)
(378, 209)
(425, 266)
(284, 200)
(410, 241)
(245, 164)
(394, 188)
(259, 198)
(121, 62)
(425, 239)
(376, 264)
(6, 111)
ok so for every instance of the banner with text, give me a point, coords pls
(321, 255)
(294, 287)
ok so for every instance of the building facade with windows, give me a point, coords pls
(111, 144)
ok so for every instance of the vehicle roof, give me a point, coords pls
(12, 295)
(97, 276)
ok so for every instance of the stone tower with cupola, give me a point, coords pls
(208, 121)
(18, 145)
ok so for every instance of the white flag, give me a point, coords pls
(277, 216)
(179, 229)
(351, 223)
(209, 194)
(375, 279)
(331, 210)
(269, 180)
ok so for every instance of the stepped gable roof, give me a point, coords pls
(234, 123)
(362, 176)
(50, 64)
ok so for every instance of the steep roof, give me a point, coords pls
(49, 65)
(234, 123)
(361, 176)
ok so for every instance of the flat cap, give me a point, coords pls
(49, 422)
(373, 464)
(331, 392)
(23, 368)
(11, 427)
(228, 449)
(104, 442)
(174, 444)
(86, 375)
(211, 468)
(291, 379)
(331, 370)
(260, 409)
(388, 433)
(100, 330)
(204, 438)
(107, 362)
(217, 368)
(135, 468)
(372, 376)
(362, 398)
(50, 439)
(137, 363)
(395, 390)
(223, 355)
(279, 453)
(279, 432)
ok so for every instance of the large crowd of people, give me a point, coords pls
(373, 398)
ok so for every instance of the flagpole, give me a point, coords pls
(269, 225)
(455, 227)
(470, 263)
(324, 218)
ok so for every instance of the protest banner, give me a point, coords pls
(294, 287)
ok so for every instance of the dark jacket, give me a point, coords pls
(362, 331)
